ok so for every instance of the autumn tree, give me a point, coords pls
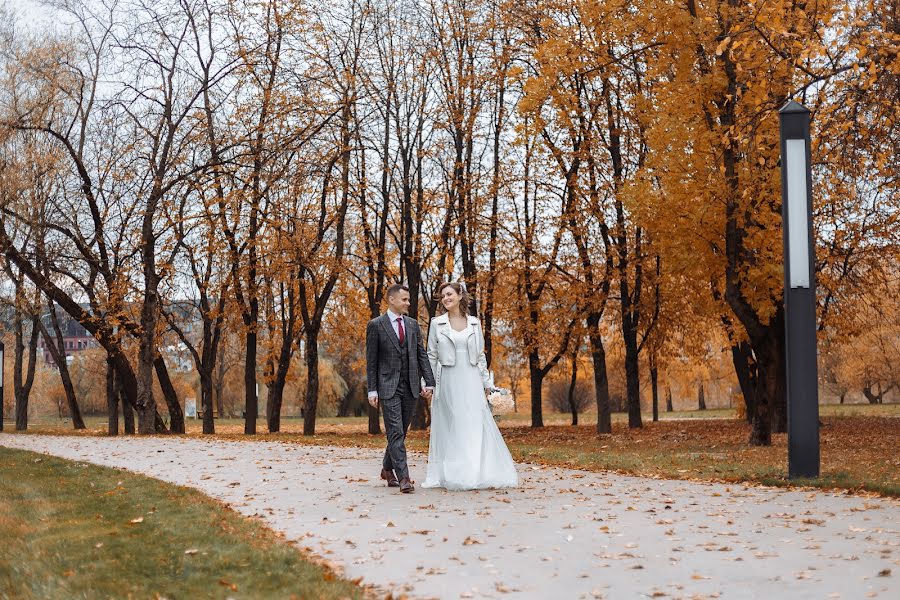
(260, 30)
(55, 345)
(321, 226)
(400, 206)
(588, 85)
(52, 89)
(460, 31)
(545, 313)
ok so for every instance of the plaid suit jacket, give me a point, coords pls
(383, 356)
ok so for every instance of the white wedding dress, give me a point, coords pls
(466, 450)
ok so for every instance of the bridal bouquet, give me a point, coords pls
(500, 400)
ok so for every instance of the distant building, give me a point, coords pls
(75, 337)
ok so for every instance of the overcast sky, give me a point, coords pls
(30, 12)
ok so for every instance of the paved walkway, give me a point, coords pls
(562, 534)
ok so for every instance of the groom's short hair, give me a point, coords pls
(392, 291)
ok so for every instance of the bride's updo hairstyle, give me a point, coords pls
(464, 297)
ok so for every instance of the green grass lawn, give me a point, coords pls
(72, 530)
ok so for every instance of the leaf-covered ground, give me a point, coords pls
(858, 444)
(560, 533)
(858, 453)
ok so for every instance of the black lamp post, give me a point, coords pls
(799, 293)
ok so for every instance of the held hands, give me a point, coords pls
(426, 393)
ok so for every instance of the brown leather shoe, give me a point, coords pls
(390, 478)
(406, 486)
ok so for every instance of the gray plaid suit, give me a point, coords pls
(385, 360)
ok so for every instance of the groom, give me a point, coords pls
(395, 358)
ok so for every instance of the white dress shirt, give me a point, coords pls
(393, 317)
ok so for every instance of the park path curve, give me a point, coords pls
(562, 534)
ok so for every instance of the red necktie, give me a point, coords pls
(400, 333)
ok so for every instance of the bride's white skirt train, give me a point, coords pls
(466, 450)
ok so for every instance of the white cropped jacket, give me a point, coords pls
(442, 350)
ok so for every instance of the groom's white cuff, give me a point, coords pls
(373, 395)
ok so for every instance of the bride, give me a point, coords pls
(466, 450)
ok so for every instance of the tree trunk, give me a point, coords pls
(669, 407)
(268, 373)
(745, 369)
(170, 394)
(572, 383)
(206, 401)
(632, 380)
(537, 378)
(422, 417)
(373, 413)
(654, 388)
(499, 117)
(629, 291)
(146, 403)
(312, 381)
(127, 411)
(57, 348)
(601, 380)
(126, 389)
(147, 341)
(219, 383)
(767, 340)
(251, 402)
(770, 370)
(344, 404)
(870, 394)
(423, 414)
(22, 388)
(71, 400)
(760, 426)
(275, 397)
(701, 398)
(20, 410)
(112, 399)
(205, 362)
(281, 328)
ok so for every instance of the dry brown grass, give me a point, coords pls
(859, 451)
